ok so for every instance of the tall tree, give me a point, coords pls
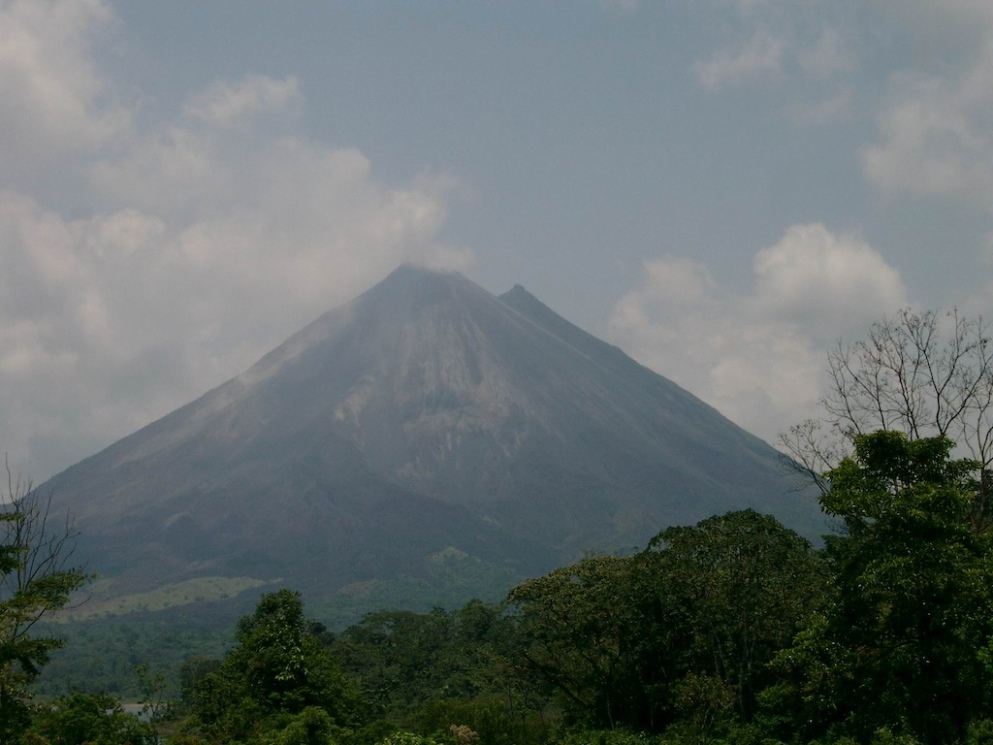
(278, 670)
(428, 671)
(899, 646)
(681, 632)
(36, 578)
(581, 636)
(745, 585)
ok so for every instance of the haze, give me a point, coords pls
(721, 187)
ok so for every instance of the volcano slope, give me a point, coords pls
(426, 421)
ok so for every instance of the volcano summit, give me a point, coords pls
(426, 416)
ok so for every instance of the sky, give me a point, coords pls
(723, 188)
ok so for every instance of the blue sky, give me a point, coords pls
(723, 188)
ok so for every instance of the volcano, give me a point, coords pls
(427, 418)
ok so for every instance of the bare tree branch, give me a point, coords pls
(925, 374)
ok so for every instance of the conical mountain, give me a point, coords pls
(426, 415)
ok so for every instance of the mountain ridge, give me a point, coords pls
(423, 415)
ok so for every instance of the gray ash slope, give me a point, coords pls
(423, 415)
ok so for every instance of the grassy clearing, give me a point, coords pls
(101, 601)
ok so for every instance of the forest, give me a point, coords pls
(733, 630)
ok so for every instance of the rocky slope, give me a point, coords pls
(425, 416)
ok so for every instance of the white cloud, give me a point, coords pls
(759, 357)
(936, 127)
(52, 101)
(759, 56)
(826, 284)
(225, 105)
(218, 233)
(936, 135)
(780, 42)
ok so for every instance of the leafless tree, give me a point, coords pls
(925, 374)
(45, 545)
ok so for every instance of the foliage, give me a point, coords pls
(582, 636)
(407, 738)
(36, 578)
(312, 726)
(680, 633)
(279, 675)
(733, 630)
(428, 672)
(898, 646)
(745, 584)
(82, 719)
(102, 655)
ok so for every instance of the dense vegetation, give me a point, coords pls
(735, 630)
(732, 630)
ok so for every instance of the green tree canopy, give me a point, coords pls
(744, 585)
(84, 718)
(279, 669)
(898, 646)
(681, 632)
(580, 636)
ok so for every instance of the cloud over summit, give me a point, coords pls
(205, 238)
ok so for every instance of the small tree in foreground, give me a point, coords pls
(36, 578)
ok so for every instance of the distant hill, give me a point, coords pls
(426, 434)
